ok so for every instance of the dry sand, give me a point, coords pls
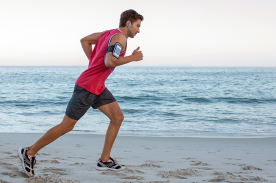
(72, 158)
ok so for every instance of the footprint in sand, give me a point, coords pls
(206, 168)
(2, 181)
(11, 174)
(150, 165)
(15, 173)
(49, 161)
(251, 168)
(60, 171)
(14, 156)
(153, 161)
(241, 172)
(127, 151)
(199, 163)
(257, 179)
(180, 174)
(222, 176)
(59, 158)
(113, 173)
(225, 175)
(77, 163)
(45, 154)
(48, 178)
(167, 181)
(7, 165)
(132, 177)
(128, 170)
(228, 158)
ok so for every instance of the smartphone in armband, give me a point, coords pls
(115, 49)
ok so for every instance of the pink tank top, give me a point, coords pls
(93, 78)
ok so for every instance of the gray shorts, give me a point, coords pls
(82, 100)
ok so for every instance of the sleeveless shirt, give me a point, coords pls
(93, 79)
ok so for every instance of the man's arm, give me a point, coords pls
(111, 61)
(87, 42)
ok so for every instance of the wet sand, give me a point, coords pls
(72, 158)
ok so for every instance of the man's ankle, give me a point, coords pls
(103, 159)
(30, 152)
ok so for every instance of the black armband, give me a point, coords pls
(115, 49)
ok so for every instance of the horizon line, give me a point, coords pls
(130, 66)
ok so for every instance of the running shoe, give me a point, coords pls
(111, 164)
(27, 161)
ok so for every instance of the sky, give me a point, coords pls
(215, 33)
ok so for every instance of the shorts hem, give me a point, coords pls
(71, 117)
(101, 104)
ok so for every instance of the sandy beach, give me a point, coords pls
(72, 158)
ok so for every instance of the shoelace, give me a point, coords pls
(33, 162)
(114, 161)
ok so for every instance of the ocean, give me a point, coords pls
(156, 101)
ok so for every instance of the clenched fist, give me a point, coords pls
(137, 55)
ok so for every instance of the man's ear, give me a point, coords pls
(128, 22)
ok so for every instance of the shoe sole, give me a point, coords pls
(21, 158)
(19, 153)
(105, 168)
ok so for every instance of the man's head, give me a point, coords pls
(131, 19)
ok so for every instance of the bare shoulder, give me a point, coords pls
(118, 38)
(92, 38)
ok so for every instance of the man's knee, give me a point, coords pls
(118, 119)
(68, 124)
(121, 117)
(70, 127)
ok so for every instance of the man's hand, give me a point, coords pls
(137, 55)
(87, 43)
(111, 61)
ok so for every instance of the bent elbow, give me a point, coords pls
(109, 63)
(82, 40)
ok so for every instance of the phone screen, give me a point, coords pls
(117, 50)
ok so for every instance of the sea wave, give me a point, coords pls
(154, 100)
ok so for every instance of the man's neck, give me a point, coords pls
(124, 30)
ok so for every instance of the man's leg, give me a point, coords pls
(65, 126)
(27, 154)
(114, 113)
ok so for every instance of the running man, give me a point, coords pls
(90, 90)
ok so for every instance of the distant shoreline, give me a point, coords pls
(203, 135)
(142, 66)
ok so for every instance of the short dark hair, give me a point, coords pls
(131, 15)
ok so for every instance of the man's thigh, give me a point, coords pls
(105, 97)
(80, 102)
(112, 110)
